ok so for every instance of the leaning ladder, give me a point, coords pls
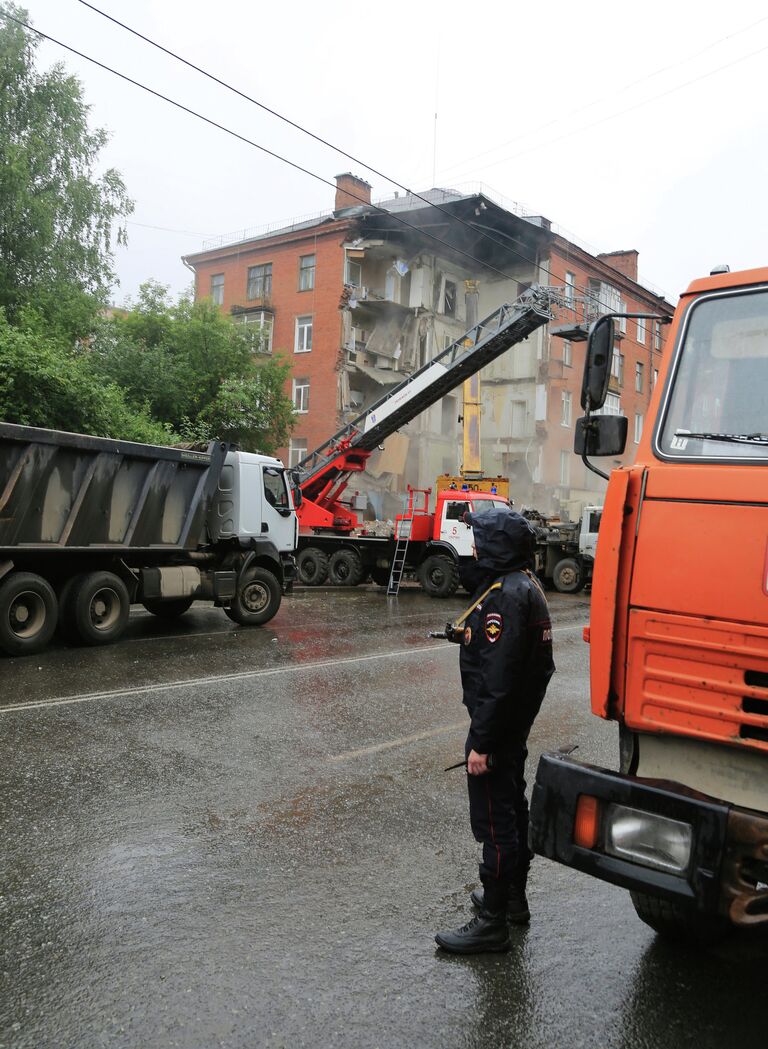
(404, 538)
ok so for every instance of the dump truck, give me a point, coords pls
(332, 542)
(91, 525)
(678, 629)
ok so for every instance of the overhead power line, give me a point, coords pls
(474, 228)
(221, 127)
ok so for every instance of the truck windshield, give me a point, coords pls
(481, 505)
(716, 408)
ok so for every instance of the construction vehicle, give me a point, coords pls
(90, 525)
(679, 630)
(565, 550)
(432, 545)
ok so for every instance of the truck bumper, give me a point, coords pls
(653, 836)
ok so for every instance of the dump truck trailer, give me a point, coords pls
(90, 525)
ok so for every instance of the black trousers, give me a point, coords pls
(498, 813)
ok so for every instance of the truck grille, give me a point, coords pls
(698, 677)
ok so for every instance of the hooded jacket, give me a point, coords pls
(506, 656)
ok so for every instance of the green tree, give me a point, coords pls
(57, 215)
(190, 367)
(45, 383)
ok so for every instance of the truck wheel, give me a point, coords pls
(172, 609)
(257, 599)
(312, 565)
(380, 575)
(568, 576)
(675, 921)
(28, 613)
(439, 576)
(345, 568)
(96, 606)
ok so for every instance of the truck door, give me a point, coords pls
(590, 523)
(277, 512)
(452, 527)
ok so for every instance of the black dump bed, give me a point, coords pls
(66, 491)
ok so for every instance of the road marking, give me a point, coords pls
(246, 675)
(403, 741)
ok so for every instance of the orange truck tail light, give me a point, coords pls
(587, 823)
(585, 633)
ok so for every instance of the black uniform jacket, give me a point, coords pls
(506, 655)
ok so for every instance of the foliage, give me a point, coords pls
(44, 383)
(56, 214)
(195, 370)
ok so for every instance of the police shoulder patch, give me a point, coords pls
(493, 626)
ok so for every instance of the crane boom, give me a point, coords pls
(324, 473)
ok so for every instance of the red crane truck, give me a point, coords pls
(679, 630)
(331, 543)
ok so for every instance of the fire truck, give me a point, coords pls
(429, 543)
(679, 630)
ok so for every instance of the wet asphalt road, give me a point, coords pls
(244, 838)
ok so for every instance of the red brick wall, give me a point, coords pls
(288, 303)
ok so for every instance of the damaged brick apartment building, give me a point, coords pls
(357, 300)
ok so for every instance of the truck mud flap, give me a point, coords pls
(562, 781)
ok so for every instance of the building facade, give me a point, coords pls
(362, 297)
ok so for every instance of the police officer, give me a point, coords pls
(506, 663)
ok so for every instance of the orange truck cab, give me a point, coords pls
(679, 631)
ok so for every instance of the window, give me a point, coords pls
(565, 468)
(455, 511)
(570, 289)
(657, 335)
(641, 330)
(306, 272)
(275, 490)
(449, 299)
(638, 427)
(655, 377)
(518, 418)
(303, 340)
(297, 449)
(217, 288)
(259, 281)
(565, 417)
(301, 396)
(612, 406)
(617, 367)
(639, 377)
(353, 273)
(623, 320)
(258, 328)
(567, 353)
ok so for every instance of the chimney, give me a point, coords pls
(623, 261)
(346, 186)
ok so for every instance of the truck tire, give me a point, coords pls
(345, 568)
(568, 576)
(380, 575)
(312, 565)
(171, 609)
(95, 608)
(28, 613)
(674, 921)
(439, 575)
(257, 599)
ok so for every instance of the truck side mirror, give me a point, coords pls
(597, 366)
(600, 435)
(298, 496)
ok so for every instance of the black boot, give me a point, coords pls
(517, 905)
(487, 931)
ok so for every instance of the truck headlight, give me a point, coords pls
(643, 837)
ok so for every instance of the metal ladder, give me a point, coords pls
(404, 538)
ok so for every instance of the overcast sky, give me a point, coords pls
(629, 126)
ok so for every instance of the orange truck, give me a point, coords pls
(679, 630)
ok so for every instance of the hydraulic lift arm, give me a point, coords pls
(325, 472)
